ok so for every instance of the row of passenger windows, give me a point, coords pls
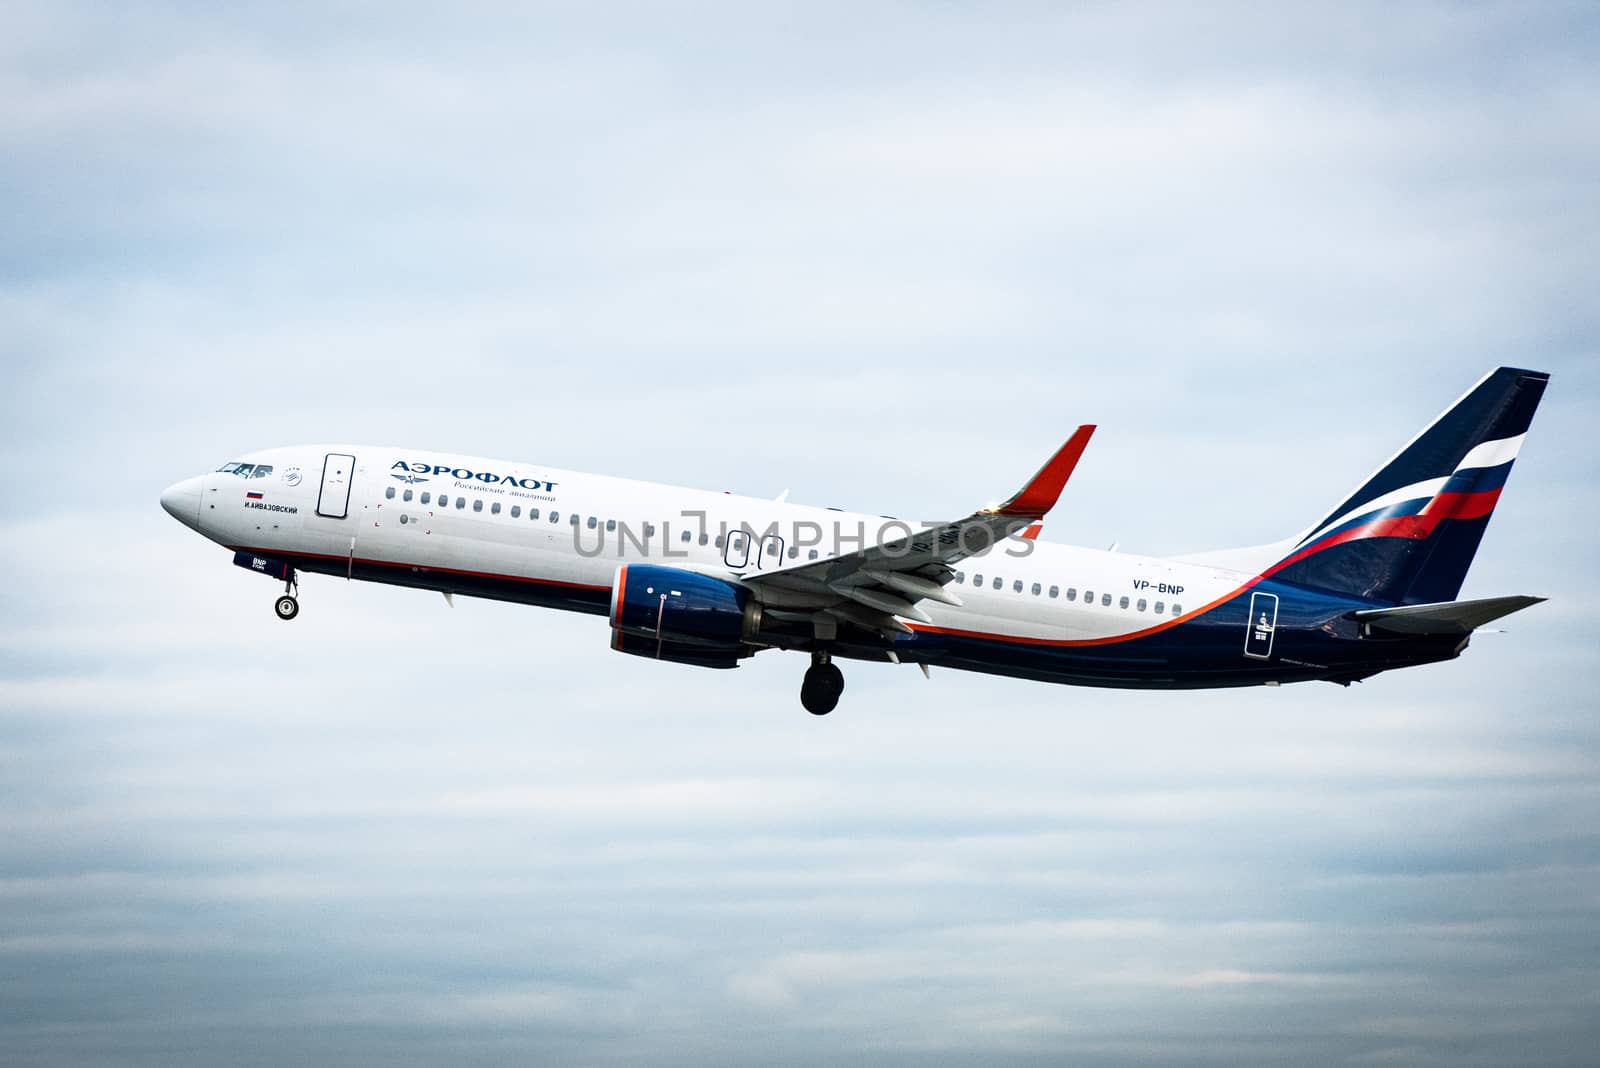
(495, 508)
(688, 537)
(245, 470)
(1140, 605)
(775, 547)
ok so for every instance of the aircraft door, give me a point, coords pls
(338, 471)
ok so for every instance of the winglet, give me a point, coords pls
(1040, 494)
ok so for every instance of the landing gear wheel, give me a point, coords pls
(821, 687)
(287, 607)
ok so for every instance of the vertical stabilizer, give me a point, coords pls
(1408, 534)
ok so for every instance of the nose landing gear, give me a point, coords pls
(288, 606)
(822, 685)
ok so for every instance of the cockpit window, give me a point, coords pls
(262, 471)
(233, 467)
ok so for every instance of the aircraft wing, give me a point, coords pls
(872, 586)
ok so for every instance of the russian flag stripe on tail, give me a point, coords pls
(1408, 534)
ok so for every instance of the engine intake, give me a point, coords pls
(669, 604)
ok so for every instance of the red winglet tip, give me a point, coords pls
(1032, 532)
(1044, 489)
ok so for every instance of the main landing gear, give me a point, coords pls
(824, 682)
(287, 606)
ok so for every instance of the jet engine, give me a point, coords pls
(667, 613)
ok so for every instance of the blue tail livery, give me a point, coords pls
(1408, 534)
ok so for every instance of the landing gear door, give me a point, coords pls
(1261, 626)
(338, 469)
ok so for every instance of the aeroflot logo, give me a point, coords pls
(461, 474)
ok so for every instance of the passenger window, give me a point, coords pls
(1123, 602)
(461, 503)
(649, 531)
(477, 506)
(494, 509)
(1141, 605)
(1016, 586)
(812, 555)
(611, 524)
(533, 513)
(718, 543)
(687, 537)
(961, 578)
(1072, 593)
(1088, 597)
(1105, 600)
(555, 517)
(794, 552)
(1037, 589)
(1055, 591)
(977, 582)
(388, 494)
(1161, 606)
(592, 523)
(516, 511)
(998, 582)
(263, 470)
(704, 538)
(1177, 609)
(425, 497)
(573, 518)
(406, 496)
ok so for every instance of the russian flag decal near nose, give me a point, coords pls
(252, 496)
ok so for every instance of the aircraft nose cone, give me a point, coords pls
(182, 501)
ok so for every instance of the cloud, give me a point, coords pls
(886, 257)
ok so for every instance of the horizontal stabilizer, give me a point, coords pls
(1448, 617)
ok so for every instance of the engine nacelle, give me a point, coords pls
(672, 605)
(676, 652)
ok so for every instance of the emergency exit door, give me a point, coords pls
(338, 469)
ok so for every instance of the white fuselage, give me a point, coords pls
(512, 521)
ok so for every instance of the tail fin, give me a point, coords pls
(1408, 534)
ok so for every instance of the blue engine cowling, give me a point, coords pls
(675, 652)
(672, 605)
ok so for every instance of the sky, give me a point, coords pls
(885, 256)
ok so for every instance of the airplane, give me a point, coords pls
(708, 579)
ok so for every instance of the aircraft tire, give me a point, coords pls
(287, 607)
(820, 690)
